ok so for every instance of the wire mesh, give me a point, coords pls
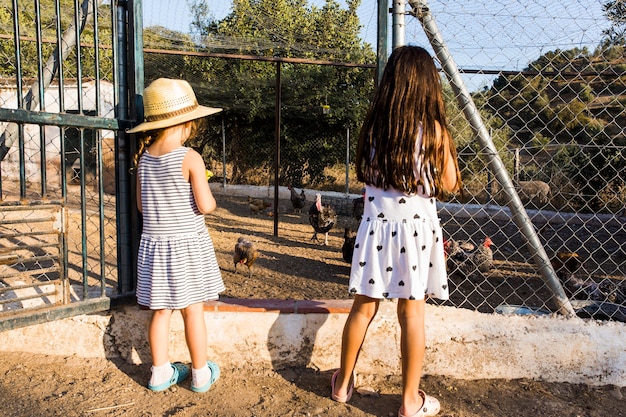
(549, 85)
(57, 187)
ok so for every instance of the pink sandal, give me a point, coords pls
(342, 398)
(430, 407)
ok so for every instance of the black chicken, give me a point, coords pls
(349, 239)
(245, 253)
(322, 218)
(358, 204)
(297, 200)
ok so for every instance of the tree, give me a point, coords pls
(311, 140)
(616, 13)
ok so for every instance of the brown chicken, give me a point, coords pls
(245, 253)
(467, 257)
(258, 204)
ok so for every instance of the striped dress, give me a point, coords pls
(176, 263)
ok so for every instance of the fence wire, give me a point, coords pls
(549, 83)
(549, 86)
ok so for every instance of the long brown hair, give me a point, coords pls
(409, 97)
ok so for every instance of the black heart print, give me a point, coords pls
(417, 216)
(352, 290)
(370, 198)
(389, 269)
(402, 250)
(393, 233)
(415, 234)
(401, 283)
(414, 267)
(385, 294)
(411, 298)
(356, 246)
(371, 232)
(379, 247)
(371, 281)
(423, 247)
(362, 263)
(444, 286)
(430, 265)
(381, 215)
(402, 201)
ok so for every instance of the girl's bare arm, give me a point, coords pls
(195, 172)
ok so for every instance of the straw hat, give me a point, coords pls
(168, 103)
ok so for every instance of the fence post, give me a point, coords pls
(520, 217)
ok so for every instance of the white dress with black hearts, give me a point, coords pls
(398, 251)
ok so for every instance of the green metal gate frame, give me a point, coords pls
(127, 52)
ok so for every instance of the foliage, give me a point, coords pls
(29, 62)
(246, 89)
(615, 11)
(560, 99)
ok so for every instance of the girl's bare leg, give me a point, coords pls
(195, 334)
(361, 315)
(158, 336)
(412, 349)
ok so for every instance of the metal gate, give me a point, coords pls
(66, 218)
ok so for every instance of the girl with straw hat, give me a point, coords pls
(176, 267)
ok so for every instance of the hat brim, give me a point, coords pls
(197, 113)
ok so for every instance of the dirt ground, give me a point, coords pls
(290, 266)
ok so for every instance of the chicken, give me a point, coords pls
(467, 257)
(322, 218)
(358, 204)
(568, 268)
(245, 253)
(349, 239)
(297, 200)
(258, 204)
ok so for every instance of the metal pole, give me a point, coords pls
(520, 217)
(277, 146)
(347, 159)
(398, 27)
(223, 153)
(381, 46)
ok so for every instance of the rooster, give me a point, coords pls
(347, 250)
(258, 204)
(467, 257)
(297, 200)
(245, 253)
(322, 218)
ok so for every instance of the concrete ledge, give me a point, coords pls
(274, 334)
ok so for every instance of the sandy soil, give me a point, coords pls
(290, 266)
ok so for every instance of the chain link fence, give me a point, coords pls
(547, 79)
(550, 89)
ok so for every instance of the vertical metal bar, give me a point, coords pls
(223, 153)
(81, 154)
(7, 140)
(59, 52)
(347, 159)
(42, 104)
(520, 217)
(398, 26)
(381, 44)
(278, 93)
(98, 144)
